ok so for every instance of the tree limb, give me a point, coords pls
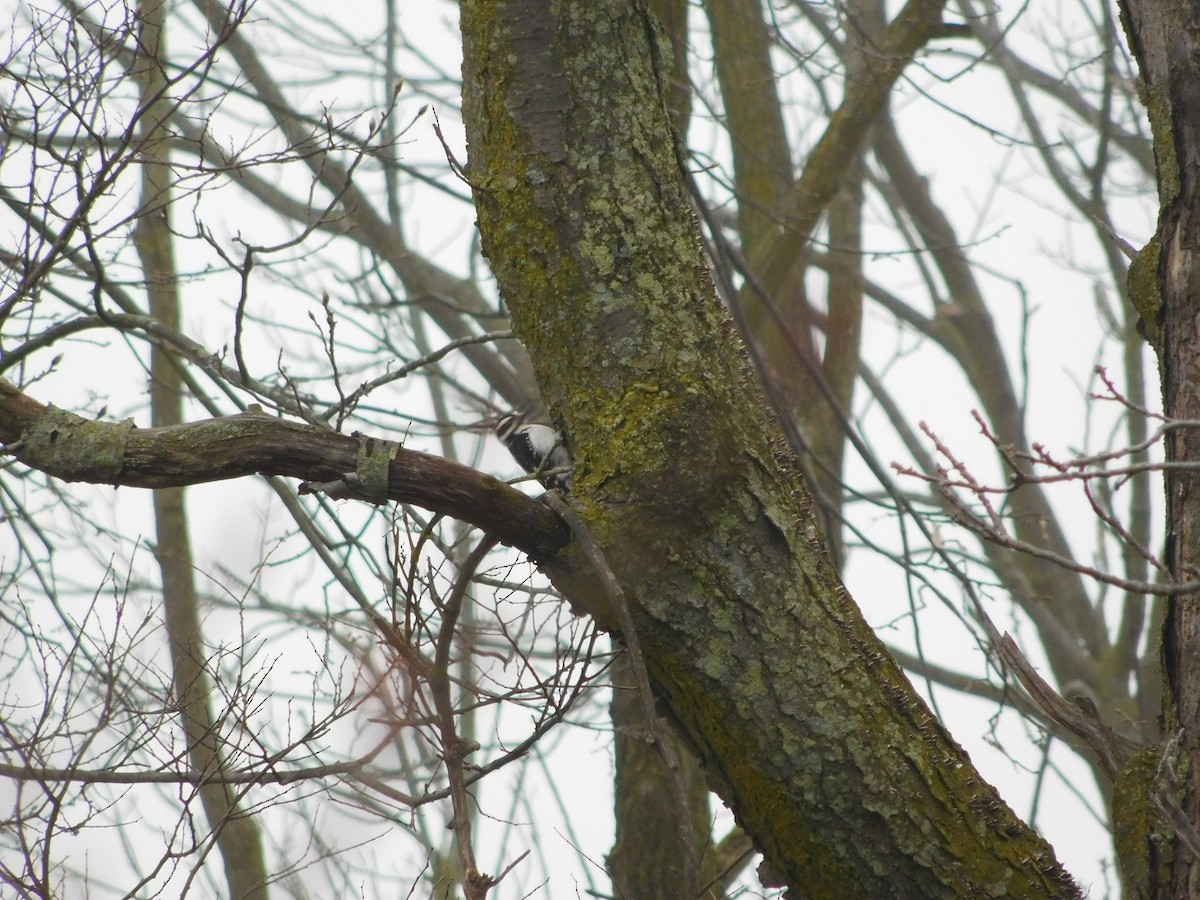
(48, 439)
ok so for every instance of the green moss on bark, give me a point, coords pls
(807, 728)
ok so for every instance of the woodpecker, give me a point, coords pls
(538, 449)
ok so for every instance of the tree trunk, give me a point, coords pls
(651, 859)
(806, 726)
(1165, 287)
(236, 835)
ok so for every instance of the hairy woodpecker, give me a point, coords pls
(538, 449)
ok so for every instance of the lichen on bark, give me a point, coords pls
(806, 726)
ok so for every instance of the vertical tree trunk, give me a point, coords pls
(237, 836)
(649, 860)
(1165, 287)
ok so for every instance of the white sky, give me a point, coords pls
(1018, 232)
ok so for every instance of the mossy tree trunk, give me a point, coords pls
(1165, 287)
(807, 728)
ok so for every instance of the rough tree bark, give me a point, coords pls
(808, 729)
(1165, 288)
(642, 863)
